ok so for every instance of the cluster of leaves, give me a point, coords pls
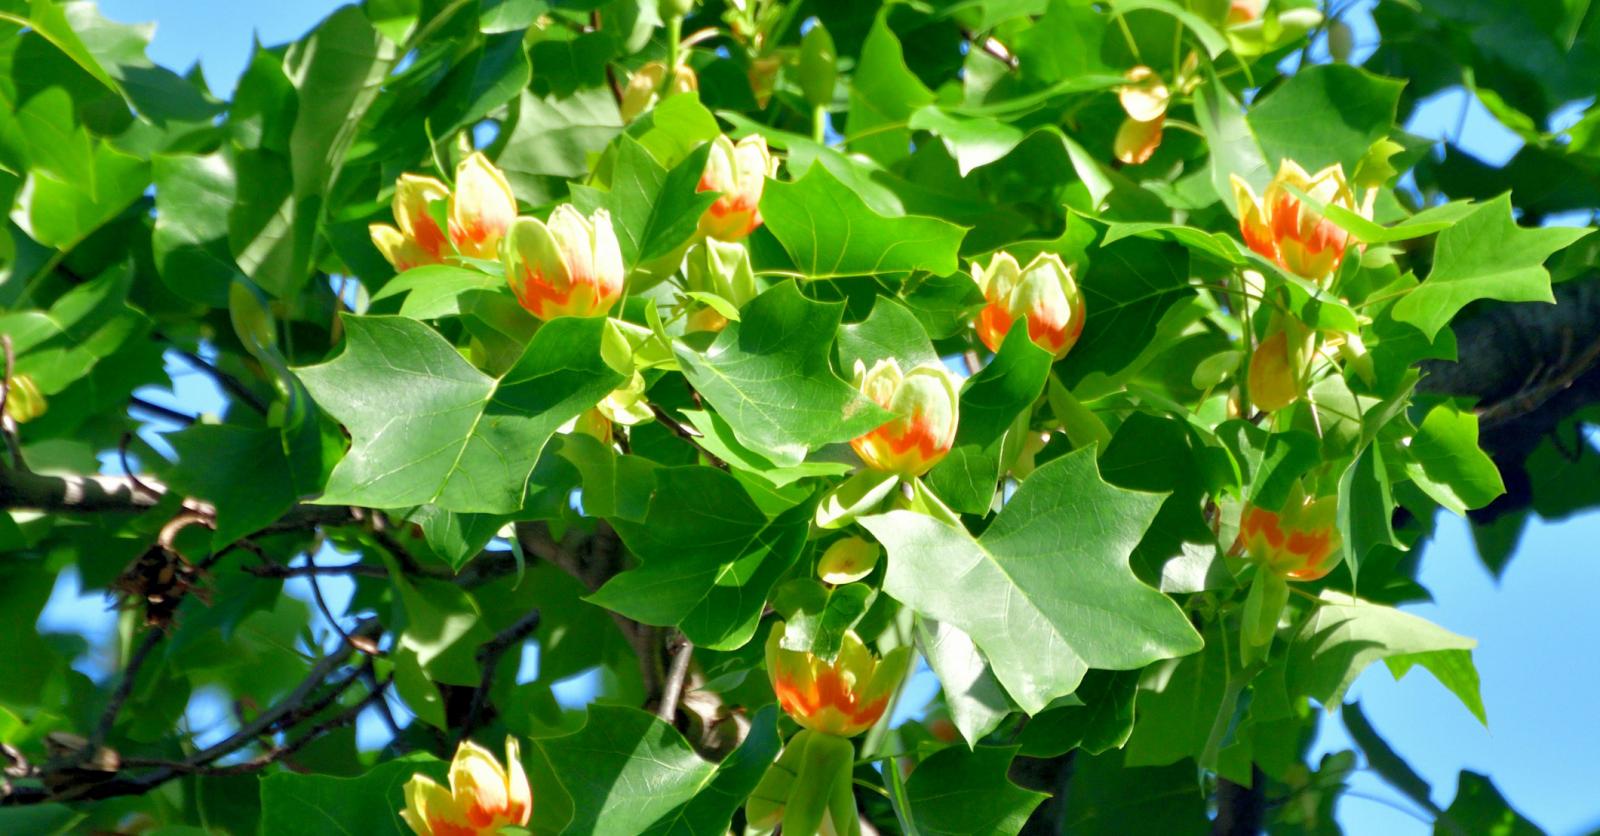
(1085, 600)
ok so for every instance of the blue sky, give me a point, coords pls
(1535, 625)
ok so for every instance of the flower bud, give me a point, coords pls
(721, 268)
(418, 240)
(24, 401)
(1243, 11)
(740, 173)
(842, 698)
(818, 65)
(763, 78)
(1136, 142)
(626, 405)
(1277, 367)
(481, 208)
(1044, 292)
(848, 560)
(571, 266)
(926, 407)
(1300, 543)
(482, 798)
(1294, 236)
(644, 88)
(1144, 98)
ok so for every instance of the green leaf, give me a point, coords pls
(974, 697)
(708, 557)
(1180, 702)
(1234, 149)
(1343, 635)
(1480, 808)
(890, 330)
(435, 291)
(1126, 293)
(1208, 36)
(974, 141)
(212, 463)
(768, 377)
(443, 627)
(1484, 256)
(1108, 798)
(553, 139)
(427, 427)
(1447, 463)
(831, 233)
(1046, 620)
(627, 772)
(1365, 505)
(992, 401)
(1325, 114)
(655, 211)
(1102, 723)
(456, 538)
(718, 439)
(957, 791)
(190, 240)
(816, 616)
(883, 94)
(293, 804)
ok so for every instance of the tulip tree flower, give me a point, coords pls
(740, 173)
(721, 268)
(927, 408)
(1292, 235)
(847, 560)
(1044, 292)
(1144, 99)
(844, 697)
(482, 798)
(644, 88)
(1300, 542)
(418, 240)
(482, 208)
(570, 266)
(1278, 365)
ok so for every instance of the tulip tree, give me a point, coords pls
(1106, 364)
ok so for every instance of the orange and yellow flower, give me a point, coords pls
(927, 408)
(1278, 365)
(842, 698)
(418, 240)
(482, 208)
(1300, 543)
(739, 172)
(571, 266)
(1044, 293)
(482, 798)
(1291, 234)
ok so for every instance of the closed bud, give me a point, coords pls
(24, 401)
(571, 266)
(1044, 293)
(763, 77)
(848, 560)
(819, 66)
(1278, 365)
(1144, 98)
(644, 88)
(593, 423)
(1243, 11)
(740, 173)
(721, 268)
(1300, 542)
(481, 208)
(626, 405)
(926, 407)
(482, 797)
(1293, 235)
(1341, 41)
(418, 240)
(1136, 142)
(842, 698)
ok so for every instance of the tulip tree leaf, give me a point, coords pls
(294, 804)
(626, 771)
(708, 557)
(1484, 256)
(1125, 294)
(1448, 465)
(958, 791)
(1351, 108)
(830, 232)
(972, 694)
(427, 427)
(1346, 634)
(768, 377)
(210, 458)
(655, 211)
(1053, 567)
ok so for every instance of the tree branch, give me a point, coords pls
(489, 658)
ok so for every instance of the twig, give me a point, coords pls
(279, 571)
(130, 673)
(160, 411)
(122, 457)
(322, 603)
(685, 433)
(489, 658)
(7, 426)
(672, 689)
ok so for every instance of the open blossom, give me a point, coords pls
(570, 266)
(740, 173)
(1144, 99)
(1300, 542)
(418, 240)
(482, 797)
(926, 407)
(1044, 293)
(1293, 235)
(844, 697)
(481, 208)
